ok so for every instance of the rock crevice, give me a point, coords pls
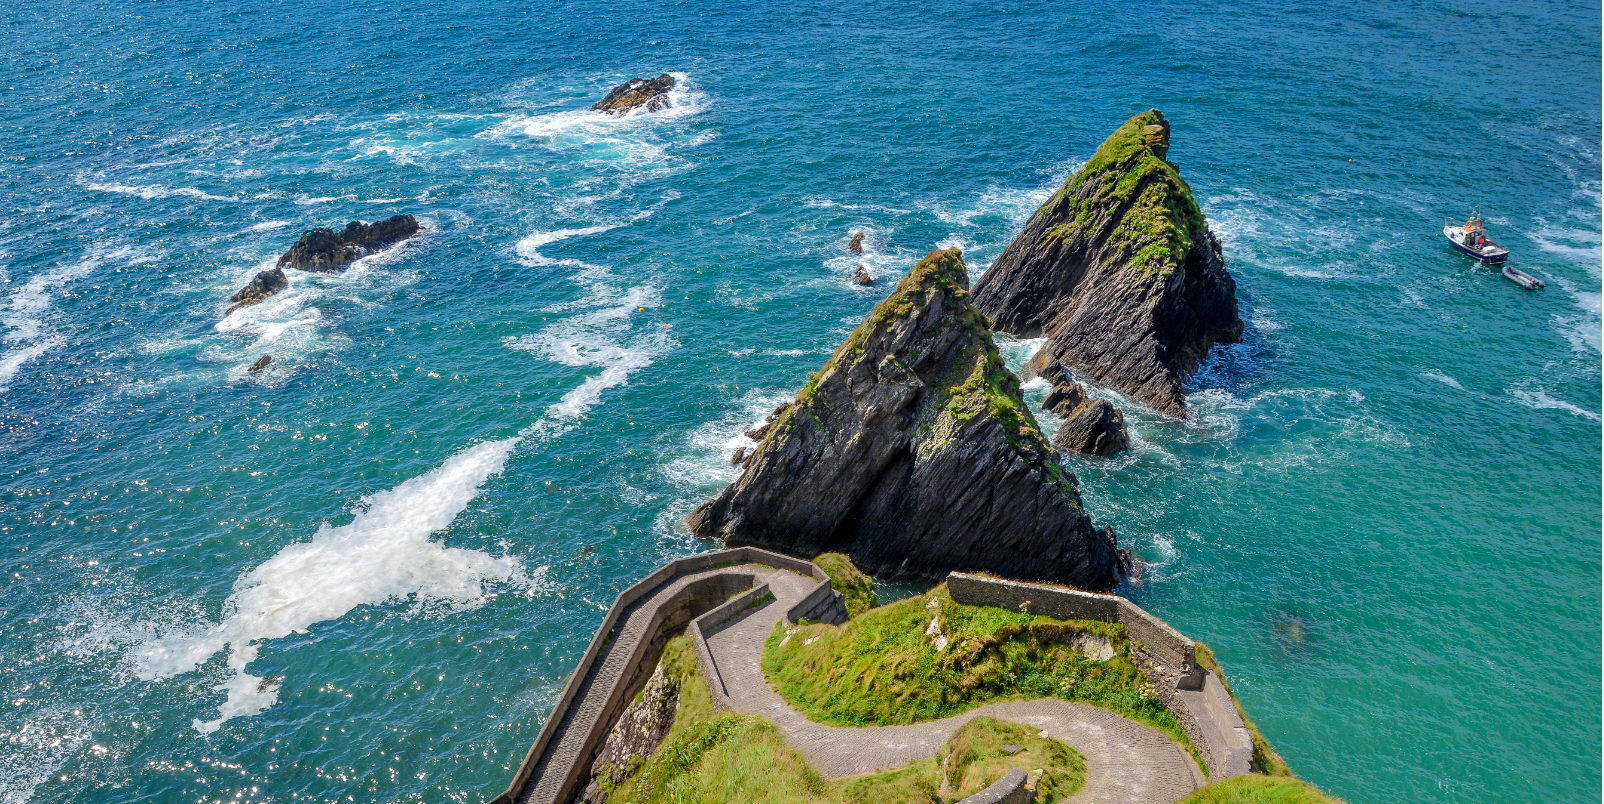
(913, 453)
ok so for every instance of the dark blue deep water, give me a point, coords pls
(364, 573)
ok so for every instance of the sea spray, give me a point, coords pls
(385, 553)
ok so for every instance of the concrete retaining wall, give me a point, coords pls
(1195, 696)
(1010, 789)
(642, 619)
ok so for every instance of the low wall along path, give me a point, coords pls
(1125, 761)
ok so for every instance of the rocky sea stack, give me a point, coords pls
(651, 93)
(912, 452)
(326, 251)
(1120, 271)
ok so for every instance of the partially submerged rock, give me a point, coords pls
(1120, 271)
(638, 732)
(328, 251)
(651, 93)
(913, 453)
(855, 245)
(263, 285)
(1091, 426)
(861, 277)
(261, 363)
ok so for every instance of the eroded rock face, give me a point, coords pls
(1120, 271)
(328, 251)
(263, 285)
(651, 93)
(913, 453)
(638, 732)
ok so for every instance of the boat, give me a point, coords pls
(1522, 278)
(1472, 241)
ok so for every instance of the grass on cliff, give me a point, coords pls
(725, 758)
(981, 381)
(1255, 788)
(1161, 222)
(881, 668)
(856, 587)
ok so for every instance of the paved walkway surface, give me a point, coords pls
(1126, 762)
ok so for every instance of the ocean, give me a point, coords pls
(365, 572)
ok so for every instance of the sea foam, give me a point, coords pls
(384, 554)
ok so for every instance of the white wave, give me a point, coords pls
(1537, 400)
(706, 464)
(267, 226)
(151, 192)
(384, 554)
(1443, 378)
(528, 249)
(25, 311)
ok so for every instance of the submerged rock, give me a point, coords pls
(261, 363)
(861, 277)
(265, 284)
(328, 251)
(651, 93)
(1120, 271)
(638, 732)
(912, 452)
(855, 245)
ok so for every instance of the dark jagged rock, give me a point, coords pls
(263, 362)
(638, 732)
(861, 277)
(652, 93)
(912, 452)
(265, 283)
(1120, 271)
(1091, 426)
(855, 245)
(739, 457)
(1094, 428)
(328, 251)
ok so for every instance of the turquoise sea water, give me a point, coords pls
(365, 573)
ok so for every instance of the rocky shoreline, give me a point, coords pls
(326, 251)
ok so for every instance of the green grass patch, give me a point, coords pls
(1255, 788)
(856, 587)
(721, 758)
(880, 668)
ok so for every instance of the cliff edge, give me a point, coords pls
(1120, 271)
(912, 451)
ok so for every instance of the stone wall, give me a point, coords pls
(1195, 696)
(1010, 789)
(554, 774)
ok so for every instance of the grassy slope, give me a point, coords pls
(1259, 789)
(881, 669)
(1161, 222)
(857, 588)
(714, 758)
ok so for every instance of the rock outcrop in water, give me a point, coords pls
(651, 93)
(1091, 426)
(913, 453)
(264, 284)
(326, 251)
(1120, 271)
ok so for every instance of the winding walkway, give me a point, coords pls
(1126, 762)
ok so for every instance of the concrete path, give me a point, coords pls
(1126, 762)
